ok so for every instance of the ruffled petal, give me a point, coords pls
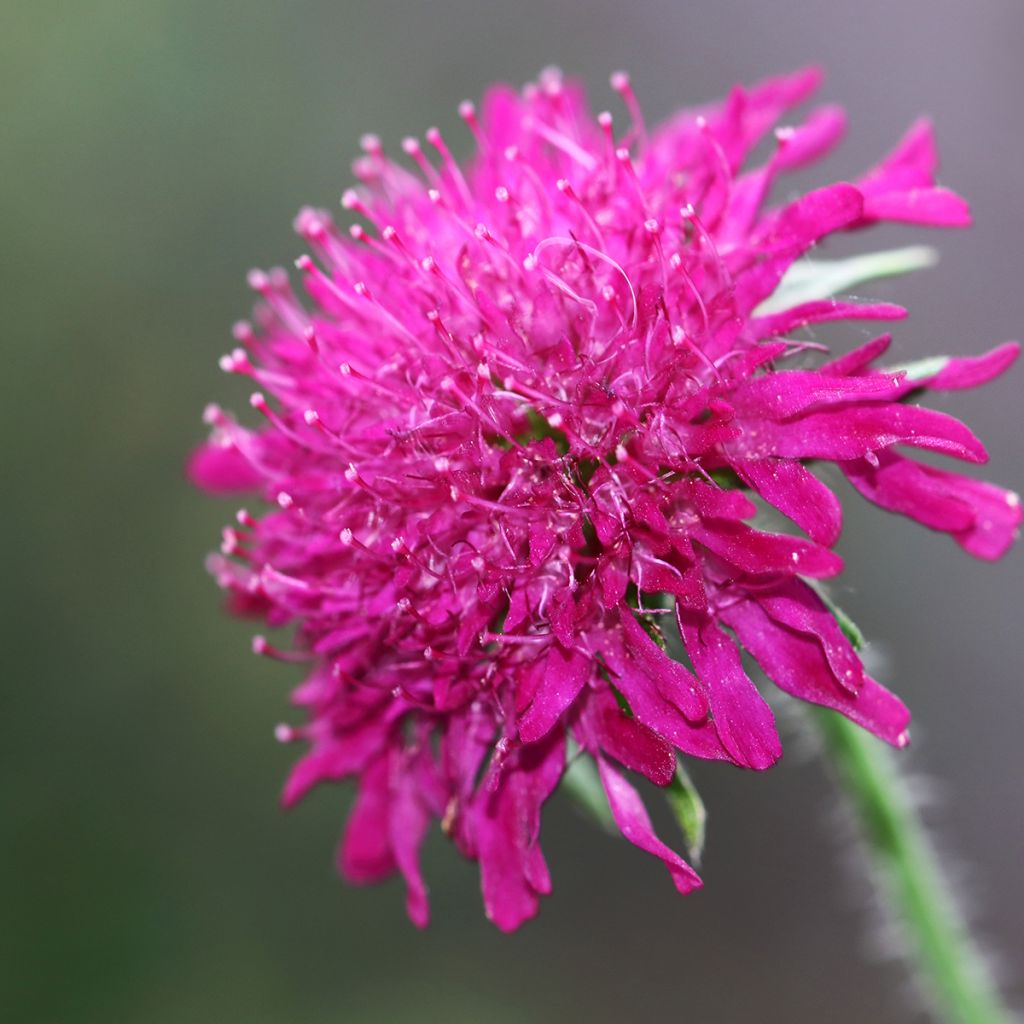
(507, 825)
(565, 675)
(982, 518)
(742, 719)
(796, 663)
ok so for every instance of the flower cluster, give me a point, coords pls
(512, 445)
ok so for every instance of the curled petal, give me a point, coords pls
(982, 518)
(796, 663)
(631, 817)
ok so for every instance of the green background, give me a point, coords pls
(150, 153)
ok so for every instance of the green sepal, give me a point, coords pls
(689, 811)
(850, 628)
(811, 280)
(582, 785)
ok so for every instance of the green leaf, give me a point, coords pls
(582, 784)
(811, 280)
(689, 810)
(922, 369)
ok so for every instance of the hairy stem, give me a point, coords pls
(949, 965)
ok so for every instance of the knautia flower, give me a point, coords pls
(514, 445)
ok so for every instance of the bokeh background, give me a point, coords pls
(152, 151)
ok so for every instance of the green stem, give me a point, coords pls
(949, 964)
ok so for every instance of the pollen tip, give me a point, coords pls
(370, 143)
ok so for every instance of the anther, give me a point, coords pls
(258, 281)
(350, 200)
(243, 333)
(467, 111)
(621, 83)
(358, 234)
(371, 144)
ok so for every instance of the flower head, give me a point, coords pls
(511, 446)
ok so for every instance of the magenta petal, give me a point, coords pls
(673, 681)
(851, 432)
(509, 899)
(962, 372)
(741, 717)
(634, 745)
(331, 760)
(754, 551)
(565, 674)
(507, 822)
(631, 816)
(936, 207)
(795, 605)
(981, 518)
(222, 469)
(811, 140)
(407, 824)
(800, 224)
(912, 164)
(796, 663)
(653, 710)
(765, 102)
(798, 494)
(366, 853)
(859, 359)
(789, 393)
(820, 312)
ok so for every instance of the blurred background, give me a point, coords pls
(152, 152)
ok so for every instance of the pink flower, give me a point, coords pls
(512, 443)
